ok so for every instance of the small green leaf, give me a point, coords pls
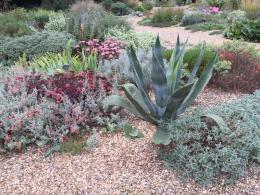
(161, 136)
(132, 132)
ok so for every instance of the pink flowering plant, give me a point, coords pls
(214, 10)
(38, 110)
(108, 50)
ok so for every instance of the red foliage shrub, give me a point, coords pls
(244, 75)
(69, 84)
(74, 84)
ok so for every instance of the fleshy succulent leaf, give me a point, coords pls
(159, 83)
(161, 136)
(176, 100)
(197, 65)
(200, 85)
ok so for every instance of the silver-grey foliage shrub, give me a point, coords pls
(203, 150)
(32, 118)
(122, 70)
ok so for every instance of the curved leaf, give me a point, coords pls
(176, 100)
(199, 86)
(197, 65)
(115, 100)
(217, 119)
(136, 99)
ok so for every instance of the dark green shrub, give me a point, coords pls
(12, 27)
(139, 8)
(190, 18)
(32, 45)
(40, 21)
(216, 3)
(107, 4)
(180, 2)
(166, 17)
(192, 54)
(57, 4)
(14, 23)
(167, 54)
(247, 30)
(207, 26)
(119, 9)
(148, 4)
(203, 149)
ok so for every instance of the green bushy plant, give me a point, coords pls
(190, 18)
(93, 24)
(56, 23)
(40, 21)
(119, 8)
(236, 15)
(172, 96)
(166, 17)
(207, 26)
(139, 8)
(130, 38)
(107, 4)
(216, 3)
(32, 45)
(241, 47)
(193, 53)
(203, 150)
(248, 30)
(14, 23)
(148, 4)
(57, 4)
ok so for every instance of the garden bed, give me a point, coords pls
(117, 165)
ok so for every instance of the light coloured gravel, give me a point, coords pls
(117, 166)
(169, 34)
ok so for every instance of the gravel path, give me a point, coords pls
(169, 34)
(117, 166)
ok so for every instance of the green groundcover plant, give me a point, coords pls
(204, 150)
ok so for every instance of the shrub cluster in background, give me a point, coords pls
(56, 23)
(130, 38)
(119, 8)
(164, 17)
(32, 45)
(57, 4)
(93, 23)
(14, 23)
(204, 150)
(243, 75)
(248, 30)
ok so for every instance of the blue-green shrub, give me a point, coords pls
(31, 45)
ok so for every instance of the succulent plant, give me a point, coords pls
(171, 96)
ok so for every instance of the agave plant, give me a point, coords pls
(171, 96)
